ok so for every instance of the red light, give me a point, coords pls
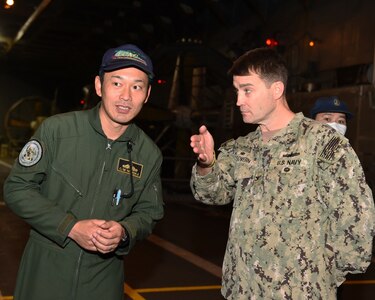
(82, 102)
(161, 81)
(270, 42)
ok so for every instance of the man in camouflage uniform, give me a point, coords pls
(303, 215)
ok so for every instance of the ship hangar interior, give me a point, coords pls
(50, 51)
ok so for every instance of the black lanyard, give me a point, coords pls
(117, 195)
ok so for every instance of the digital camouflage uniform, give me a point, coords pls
(303, 215)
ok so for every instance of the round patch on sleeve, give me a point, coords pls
(30, 154)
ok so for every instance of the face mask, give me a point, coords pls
(338, 127)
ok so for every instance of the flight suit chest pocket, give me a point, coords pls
(122, 201)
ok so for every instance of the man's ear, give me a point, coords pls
(148, 94)
(278, 89)
(98, 86)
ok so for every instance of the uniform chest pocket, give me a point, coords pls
(297, 194)
(249, 189)
(121, 208)
(289, 181)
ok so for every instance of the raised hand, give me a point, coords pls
(203, 145)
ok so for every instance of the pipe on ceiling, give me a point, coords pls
(42, 6)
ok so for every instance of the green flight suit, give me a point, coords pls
(67, 172)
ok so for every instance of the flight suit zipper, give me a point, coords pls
(76, 276)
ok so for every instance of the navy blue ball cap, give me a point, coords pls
(126, 56)
(330, 104)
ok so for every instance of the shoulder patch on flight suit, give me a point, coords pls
(329, 150)
(30, 154)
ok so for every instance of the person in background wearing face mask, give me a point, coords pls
(303, 216)
(333, 112)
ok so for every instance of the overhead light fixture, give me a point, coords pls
(8, 4)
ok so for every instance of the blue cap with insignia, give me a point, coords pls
(126, 56)
(330, 104)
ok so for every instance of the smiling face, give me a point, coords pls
(123, 93)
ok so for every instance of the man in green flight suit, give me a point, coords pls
(88, 183)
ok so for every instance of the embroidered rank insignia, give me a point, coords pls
(123, 166)
(30, 154)
(328, 153)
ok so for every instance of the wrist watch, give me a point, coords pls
(124, 237)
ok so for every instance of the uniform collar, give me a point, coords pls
(130, 133)
(286, 135)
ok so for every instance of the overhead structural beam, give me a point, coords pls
(173, 96)
(42, 6)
